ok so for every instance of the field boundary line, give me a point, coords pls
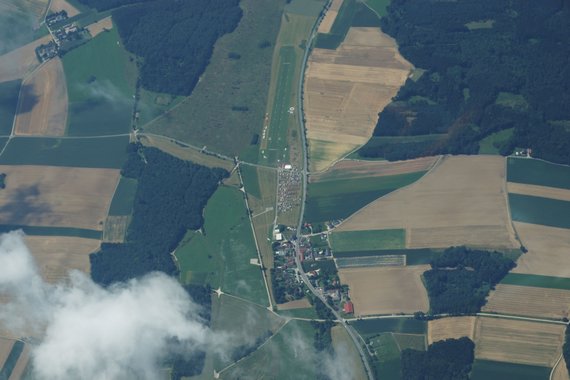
(538, 159)
(506, 197)
(555, 366)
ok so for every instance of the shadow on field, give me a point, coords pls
(29, 99)
(23, 206)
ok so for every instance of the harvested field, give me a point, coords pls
(521, 342)
(56, 196)
(548, 249)
(539, 191)
(303, 303)
(561, 372)
(5, 348)
(115, 229)
(345, 89)
(100, 26)
(20, 62)
(529, 301)
(461, 201)
(351, 169)
(42, 107)
(448, 328)
(56, 255)
(62, 5)
(330, 16)
(386, 290)
(21, 364)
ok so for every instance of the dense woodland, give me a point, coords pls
(489, 65)
(174, 39)
(566, 348)
(170, 197)
(460, 279)
(449, 359)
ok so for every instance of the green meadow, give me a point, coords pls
(538, 210)
(124, 197)
(491, 370)
(537, 172)
(368, 240)
(536, 280)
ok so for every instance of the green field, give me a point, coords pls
(220, 255)
(536, 280)
(215, 114)
(369, 240)
(413, 341)
(124, 197)
(492, 143)
(340, 27)
(371, 327)
(101, 84)
(386, 362)
(338, 199)
(399, 143)
(538, 210)
(108, 152)
(418, 256)
(53, 231)
(300, 313)
(537, 172)
(288, 355)
(379, 6)
(304, 7)
(9, 92)
(490, 370)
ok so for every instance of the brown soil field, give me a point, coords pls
(62, 5)
(548, 249)
(529, 301)
(349, 169)
(57, 255)
(5, 348)
(115, 229)
(303, 303)
(20, 367)
(42, 107)
(520, 342)
(185, 153)
(539, 191)
(345, 89)
(386, 290)
(460, 201)
(447, 328)
(100, 26)
(330, 16)
(560, 372)
(20, 62)
(56, 196)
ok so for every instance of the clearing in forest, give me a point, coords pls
(42, 107)
(522, 342)
(56, 196)
(450, 328)
(345, 89)
(462, 201)
(386, 290)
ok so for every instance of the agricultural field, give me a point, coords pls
(330, 16)
(539, 210)
(338, 199)
(394, 148)
(100, 26)
(560, 372)
(450, 328)
(379, 6)
(462, 201)
(13, 358)
(529, 301)
(492, 370)
(108, 152)
(344, 348)
(9, 92)
(63, 5)
(124, 197)
(19, 62)
(417, 256)
(220, 254)
(5, 348)
(115, 229)
(386, 359)
(412, 341)
(386, 290)
(56, 197)
(226, 109)
(293, 346)
(344, 91)
(371, 327)
(42, 107)
(539, 191)
(57, 255)
(538, 172)
(537, 280)
(101, 81)
(520, 342)
(367, 240)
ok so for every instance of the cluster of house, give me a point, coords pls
(65, 37)
(56, 18)
(288, 187)
(285, 269)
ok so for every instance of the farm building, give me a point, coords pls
(348, 307)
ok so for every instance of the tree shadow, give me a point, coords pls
(28, 99)
(23, 205)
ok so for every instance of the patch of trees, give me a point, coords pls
(246, 349)
(449, 359)
(322, 343)
(510, 70)
(566, 348)
(2, 180)
(461, 278)
(170, 197)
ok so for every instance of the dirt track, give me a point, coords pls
(43, 104)
(461, 201)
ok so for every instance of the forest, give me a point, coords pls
(486, 66)
(169, 200)
(566, 348)
(461, 278)
(173, 39)
(450, 359)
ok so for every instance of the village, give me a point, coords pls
(66, 36)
